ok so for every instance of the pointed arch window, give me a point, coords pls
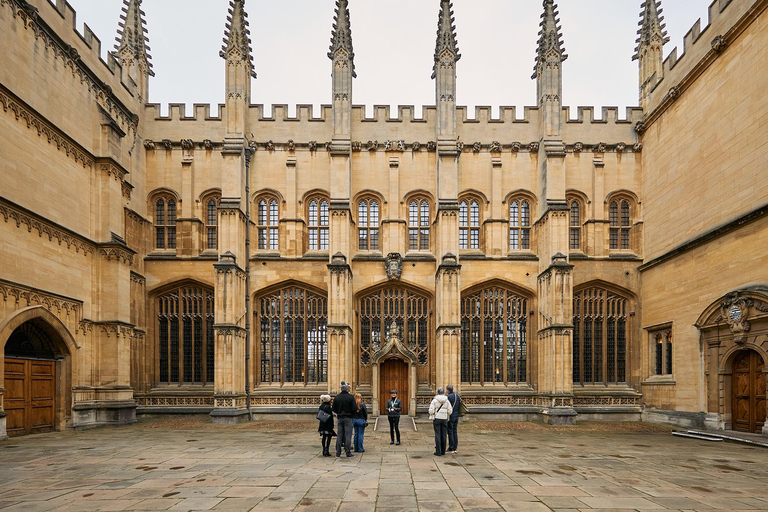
(165, 223)
(293, 336)
(267, 227)
(575, 224)
(318, 214)
(599, 336)
(519, 224)
(494, 342)
(619, 215)
(469, 224)
(418, 224)
(185, 336)
(368, 225)
(211, 223)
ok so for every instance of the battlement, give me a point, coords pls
(699, 44)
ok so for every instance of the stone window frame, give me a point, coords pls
(315, 225)
(270, 230)
(661, 353)
(368, 199)
(524, 241)
(621, 210)
(470, 228)
(211, 234)
(423, 226)
(168, 224)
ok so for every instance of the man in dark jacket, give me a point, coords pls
(394, 406)
(344, 408)
(453, 421)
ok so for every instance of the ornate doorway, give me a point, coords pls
(748, 401)
(394, 375)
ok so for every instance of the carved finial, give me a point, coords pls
(447, 48)
(237, 40)
(341, 35)
(652, 30)
(550, 52)
(132, 37)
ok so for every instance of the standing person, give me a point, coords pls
(439, 411)
(394, 406)
(344, 409)
(453, 422)
(326, 427)
(359, 422)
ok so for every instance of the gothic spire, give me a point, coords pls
(132, 39)
(447, 44)
(341, 35)
(652, 30)
(237, 41)
(550, 48)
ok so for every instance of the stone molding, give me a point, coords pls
(44, 128)
(35, 297)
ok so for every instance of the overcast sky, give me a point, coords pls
(394, 44)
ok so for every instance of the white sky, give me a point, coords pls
(394, 44)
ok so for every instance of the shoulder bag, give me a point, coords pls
(323, 416)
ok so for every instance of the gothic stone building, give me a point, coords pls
(227, 261)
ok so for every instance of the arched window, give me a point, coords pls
(268, 224)
(211, 224)
(165, 223)
(469, 224)
(318, 224)
(368, 225)
(494, 342)
(418, 224)
(185, 336)
(293, 336)
(575, 223)
(599, 336)
(519, 224)
(621, 224)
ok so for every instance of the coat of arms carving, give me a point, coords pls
(394, 266)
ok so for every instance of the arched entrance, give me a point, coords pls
(36, 362)
(748, 391)
(394, 375)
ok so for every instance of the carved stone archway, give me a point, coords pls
(394, 348)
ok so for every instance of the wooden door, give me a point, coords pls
(748, 405)
(30, 387)
(394, 375)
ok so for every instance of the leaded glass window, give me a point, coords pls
(318, 213)
(575, 224)
(211, 224)
(418, 225)
(469, 224)
(368, 225)
(599, 336)
(267, 224)
(519, 225)
(619, 216)
(165, 223)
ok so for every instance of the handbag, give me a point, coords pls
(323, 416)
(463, 409)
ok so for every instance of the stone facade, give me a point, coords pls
(234, 263)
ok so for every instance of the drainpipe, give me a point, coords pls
(248, 282)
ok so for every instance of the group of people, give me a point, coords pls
(352, 418)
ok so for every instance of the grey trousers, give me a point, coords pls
(344, 436)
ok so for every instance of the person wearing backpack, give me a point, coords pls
(453, 421)
(439, 411)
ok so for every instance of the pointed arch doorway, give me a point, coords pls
(394, 375)
(394, 366)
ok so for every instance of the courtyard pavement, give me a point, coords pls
(198, 466)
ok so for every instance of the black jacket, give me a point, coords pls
(344, 405)
(455, 401)
(394, 408)
(326, 426)
(362, 414)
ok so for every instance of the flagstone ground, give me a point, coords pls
(188, 464)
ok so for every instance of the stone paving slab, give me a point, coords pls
(152, 466)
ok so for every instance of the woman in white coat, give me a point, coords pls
(439, 411)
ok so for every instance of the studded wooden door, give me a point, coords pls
(394, 375)
(748, 405)
(30, 386)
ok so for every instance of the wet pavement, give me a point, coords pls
(197, 466)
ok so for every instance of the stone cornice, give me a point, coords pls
(34, 296)
(11, 212)
(12, 104)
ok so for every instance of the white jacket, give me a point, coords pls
(445, 411)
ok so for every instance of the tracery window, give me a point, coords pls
(318, 209)
(185, 336)
(494, 343)
(409, 311)
(620, 224)
(165, 223)
(575, 225)
(211, 224)
(267, 227)
(418, 224)
(469, 224)
(293, 336)
(368, 225)
(599, 336)
(519, 224)
(662, 351)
